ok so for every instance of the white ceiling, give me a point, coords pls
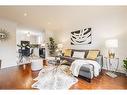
(55, 17)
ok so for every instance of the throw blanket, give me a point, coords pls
(76, 65)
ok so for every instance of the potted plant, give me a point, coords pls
(52, 46)
(125, 65)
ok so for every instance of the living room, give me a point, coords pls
(106, 26)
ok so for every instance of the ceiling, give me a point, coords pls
(55, 18)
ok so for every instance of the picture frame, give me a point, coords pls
(81, 37)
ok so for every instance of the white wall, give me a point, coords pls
(105, 23)
(8, 48)
(36, 36)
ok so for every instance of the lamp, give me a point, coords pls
(111, 44)
(60, 46)
(43, 45)
(28, 34)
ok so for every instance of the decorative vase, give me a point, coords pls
(111, 55)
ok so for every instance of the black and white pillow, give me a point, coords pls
(77, 54)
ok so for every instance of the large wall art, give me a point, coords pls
(81, 37)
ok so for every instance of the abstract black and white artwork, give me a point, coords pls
(81, 37)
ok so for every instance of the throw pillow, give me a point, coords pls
(78, 54)
(67, 52)
(92, 54)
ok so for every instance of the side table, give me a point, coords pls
(112, 66)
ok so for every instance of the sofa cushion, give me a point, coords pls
(92, 54)
(86, 52)
(70, 59)
(78, 54)
(68, 52)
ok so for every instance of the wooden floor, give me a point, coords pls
(22, 78)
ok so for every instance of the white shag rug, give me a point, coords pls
(54, 78)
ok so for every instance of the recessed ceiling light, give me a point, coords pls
(28, 34)
(25, 14)
(49, 23)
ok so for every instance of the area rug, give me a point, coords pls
(54, 78)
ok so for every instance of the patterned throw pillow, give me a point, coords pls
(67, 52)
(78, 54)
(92, 54)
